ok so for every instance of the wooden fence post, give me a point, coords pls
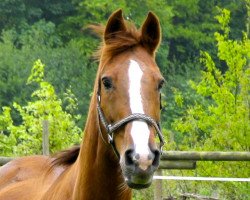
(158, 186)
(45, 124)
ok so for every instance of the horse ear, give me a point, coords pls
(151, 33)
(115, 25)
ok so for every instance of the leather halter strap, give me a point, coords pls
(111, 128)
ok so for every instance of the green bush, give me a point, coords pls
(68, 65)
(224, 123)
(26, 138)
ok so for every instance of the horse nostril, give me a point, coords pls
(156, 160)
(133, 159)
(129, 157)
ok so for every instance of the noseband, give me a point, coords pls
(111, 128)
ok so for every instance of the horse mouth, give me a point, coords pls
(138, 181)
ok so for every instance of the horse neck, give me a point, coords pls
(98, 171)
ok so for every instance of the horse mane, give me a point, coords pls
(66, 157)
(119, 42)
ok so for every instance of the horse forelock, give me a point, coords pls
(118, 43)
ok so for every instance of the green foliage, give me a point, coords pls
(54, 32)
(26, 138)
(19, 13)
(67, 66)
(38, 35)
(193, 26)
(218, 123)
(145, 194)
(224, 124)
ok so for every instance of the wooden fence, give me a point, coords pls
(176, 159)
(187, 160)
(206, 156)
(45, 143)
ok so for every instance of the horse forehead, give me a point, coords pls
(118, 69)
(144, 60)
(121, 69)
(148, 72)
(135, 70)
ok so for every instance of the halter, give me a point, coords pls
(111, 128)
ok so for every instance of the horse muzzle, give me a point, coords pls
(138, 169)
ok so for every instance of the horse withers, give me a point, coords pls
(119, 149)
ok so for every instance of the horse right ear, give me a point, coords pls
(115, 25)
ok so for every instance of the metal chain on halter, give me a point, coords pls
(111, 128)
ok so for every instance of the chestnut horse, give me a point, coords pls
(119, 150)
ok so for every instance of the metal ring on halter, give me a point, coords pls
(111, 128)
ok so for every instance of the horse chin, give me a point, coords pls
(138, 184)
(137, 181)
(136, 178)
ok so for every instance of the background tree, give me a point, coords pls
(26, 138)
(224, 123)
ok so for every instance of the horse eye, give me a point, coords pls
(107, 82)
(161, 83)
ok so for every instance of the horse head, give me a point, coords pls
(128, 96)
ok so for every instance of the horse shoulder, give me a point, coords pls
(63, 186)
(22, 169)
(23, 190)
(27, 178)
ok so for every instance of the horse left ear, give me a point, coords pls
(151, 33)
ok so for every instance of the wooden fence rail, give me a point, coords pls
(206, 156)
(187, 159)
(4, 160)
(163, 164)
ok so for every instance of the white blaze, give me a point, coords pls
(139, 131)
